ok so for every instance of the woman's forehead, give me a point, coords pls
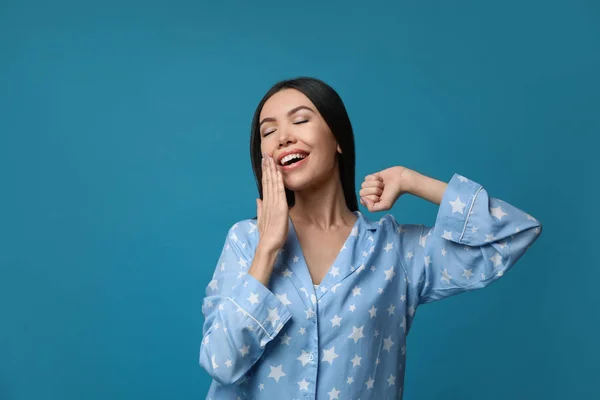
(283, 101)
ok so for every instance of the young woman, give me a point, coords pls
(311, 300)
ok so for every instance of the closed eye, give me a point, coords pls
(295, 123)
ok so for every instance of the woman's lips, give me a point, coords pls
(295, 165)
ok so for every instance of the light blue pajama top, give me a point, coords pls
(346, 338)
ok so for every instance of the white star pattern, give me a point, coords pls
(333, 394)
(389, 274)
(457, 205)
(498, 212)
(391, 380)
(244, 350)
(252, 228)
(276, 372)
(388, 343)
(496, 259)
(445, 276)
(489, 238)
(357, 333)
(303, 384)
(253, 298)
(273, 316)
(373, 312)
(309, 313)
(285, 339)
(335, 321)
(284, 299)
(329, 355)
(427, 261)
(304, 358)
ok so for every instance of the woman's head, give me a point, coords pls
(306, 116)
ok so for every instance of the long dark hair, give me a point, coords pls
(332, 109)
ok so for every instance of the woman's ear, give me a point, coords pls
(339, 149)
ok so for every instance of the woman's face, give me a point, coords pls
(290, 124)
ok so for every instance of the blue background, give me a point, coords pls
(124, 132)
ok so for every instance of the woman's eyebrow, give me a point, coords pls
(293, 110)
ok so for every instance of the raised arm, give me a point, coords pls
(475, 240)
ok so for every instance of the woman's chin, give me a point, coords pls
(295, 184)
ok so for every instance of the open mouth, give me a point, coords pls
(293, 160)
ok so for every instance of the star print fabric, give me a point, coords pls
(346, 338)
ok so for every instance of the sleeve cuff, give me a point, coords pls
(261, 305)
(456, 207)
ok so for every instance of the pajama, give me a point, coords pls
(346, 337)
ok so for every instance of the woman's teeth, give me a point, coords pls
(290, 157)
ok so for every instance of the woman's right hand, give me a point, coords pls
(272, 211)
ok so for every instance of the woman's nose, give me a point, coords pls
(284, 136)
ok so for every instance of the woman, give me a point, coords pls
(313, 300)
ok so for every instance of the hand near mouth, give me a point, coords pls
(272, 211)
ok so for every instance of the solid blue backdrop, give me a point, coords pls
(124, 133)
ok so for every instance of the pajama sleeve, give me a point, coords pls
(475, 240)
(241, 314)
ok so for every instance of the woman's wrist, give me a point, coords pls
(263, 263)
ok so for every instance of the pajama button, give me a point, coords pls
(311, 357)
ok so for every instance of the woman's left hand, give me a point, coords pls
(380, 190)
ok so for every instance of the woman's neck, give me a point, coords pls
(323, 208)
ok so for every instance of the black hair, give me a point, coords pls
(332, 109)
